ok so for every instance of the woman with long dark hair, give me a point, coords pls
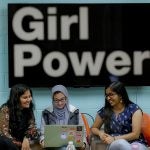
(17, 121)
(122, 120)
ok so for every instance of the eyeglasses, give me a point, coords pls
(62, 100)
(110, 95)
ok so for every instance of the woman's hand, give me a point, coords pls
(25, 144)
(103, 135)
(42, 143)
(108, 139)
(83, 146)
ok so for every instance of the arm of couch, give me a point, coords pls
(96, 143)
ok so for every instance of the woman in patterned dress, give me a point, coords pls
(122, 120)
(17, 121)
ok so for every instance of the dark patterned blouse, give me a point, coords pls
(21, 130)
(122, 124)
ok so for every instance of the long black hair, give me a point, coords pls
(119, 88)
(19, 119)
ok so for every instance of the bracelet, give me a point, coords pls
(41, 141)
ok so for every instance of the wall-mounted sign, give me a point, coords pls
(78, 44)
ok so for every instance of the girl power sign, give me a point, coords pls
(78, 44)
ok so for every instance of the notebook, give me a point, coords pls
(59, 135)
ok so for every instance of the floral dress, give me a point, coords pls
(17, 136)
(122, 124)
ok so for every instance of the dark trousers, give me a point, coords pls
(7, 144)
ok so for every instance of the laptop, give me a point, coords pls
(59, 135)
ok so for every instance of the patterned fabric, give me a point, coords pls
(122, 124)
(62, 115)
(31, 132)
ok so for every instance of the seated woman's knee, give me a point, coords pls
(119, 143)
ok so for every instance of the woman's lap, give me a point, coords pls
(7, 144)
(122, 144)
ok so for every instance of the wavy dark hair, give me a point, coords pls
(19, 118)
(119, 88)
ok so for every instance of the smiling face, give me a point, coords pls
(59, 100)
(25, 99)
(112, 97)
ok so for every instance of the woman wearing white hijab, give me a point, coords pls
(60, 112)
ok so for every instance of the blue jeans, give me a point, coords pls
(122, 144)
